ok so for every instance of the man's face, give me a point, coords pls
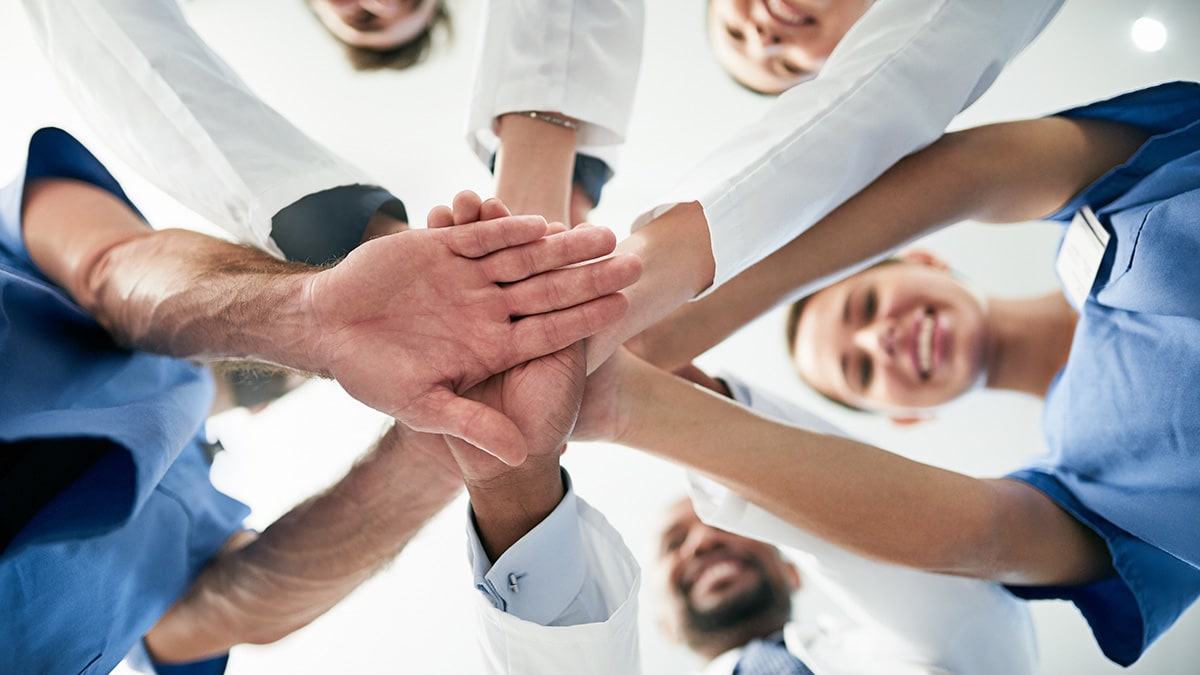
(773, 45)
(380, 25)
(894, 338)
(720, 582)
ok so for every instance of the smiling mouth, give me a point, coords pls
(925, 345)
(784, 13)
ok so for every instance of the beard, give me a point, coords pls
(764, 603)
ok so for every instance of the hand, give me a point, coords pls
(411, 320)
(541, 396)
(604, 414)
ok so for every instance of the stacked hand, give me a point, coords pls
(413, 320)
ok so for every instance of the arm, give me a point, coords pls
(1000, 173)
(378, 321)
(579, 58)
(864, 499)
(159, 97)
(891, 87)
(313, 556)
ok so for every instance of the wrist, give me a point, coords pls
(507, 507)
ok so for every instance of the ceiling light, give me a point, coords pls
(1149, 34)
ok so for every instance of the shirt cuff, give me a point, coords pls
(538, 577)
(323, 227)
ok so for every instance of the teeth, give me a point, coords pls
(925, 344)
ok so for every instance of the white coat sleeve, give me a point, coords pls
(959, 625)
(576, 57)
(175, 112)
(891, 87)
(581, 620)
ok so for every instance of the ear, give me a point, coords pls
(909, 421)
(669, 629)
(918, 256)
(792, 574)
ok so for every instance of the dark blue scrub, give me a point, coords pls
(94, 568)
(1122, 419)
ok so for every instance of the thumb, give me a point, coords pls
(484, 427)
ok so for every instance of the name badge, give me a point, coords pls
(1079, 258)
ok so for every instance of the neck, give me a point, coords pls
(716, 643)
(1030, 342)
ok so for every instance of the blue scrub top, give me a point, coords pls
(93, 570)
(1122, 419)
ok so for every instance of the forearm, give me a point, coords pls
(864, 499)
(508, 507)
(313, 556)
(534, 167)
(677, 265)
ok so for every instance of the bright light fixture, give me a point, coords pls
(1149, 34)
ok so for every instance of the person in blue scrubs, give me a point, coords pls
(1102, 519)
(113, 541)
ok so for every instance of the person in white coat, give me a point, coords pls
(560, 591)
(557, 75)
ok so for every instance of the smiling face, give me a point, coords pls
(722, 589)
(379, 25)
(894, 338)
(773, 45)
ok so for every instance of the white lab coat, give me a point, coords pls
(899, 76)
(176, 113)
(902, 621)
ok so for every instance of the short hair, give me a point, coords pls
(406, 55)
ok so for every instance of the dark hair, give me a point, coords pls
(405, 55)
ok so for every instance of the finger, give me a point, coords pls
(549, 253)
(556, 228)
(439, 216)
(444, 412)
(466, 207)
(567, 287)
(536, 336)
(493, 208)
(475, 240)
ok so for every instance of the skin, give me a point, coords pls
(772, 45)
(389, 339)
(709, 573)
(862, 341)
(375, 24)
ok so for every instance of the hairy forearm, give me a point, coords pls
(862, 498)
(173, 292)
(313, 556)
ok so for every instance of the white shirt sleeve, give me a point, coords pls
(563, 599)
(176, 113)
(959, 625)
(576, 57)
(892, 85)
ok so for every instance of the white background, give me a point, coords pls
(407, 130)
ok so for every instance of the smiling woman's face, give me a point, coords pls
(894, 338)
(380, 25)
(772, 45)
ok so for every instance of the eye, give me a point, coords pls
(870, 305)
(866, 370)
(734, 33)
(792, 69)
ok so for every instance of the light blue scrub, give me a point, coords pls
(1122, 419)
(83, 581)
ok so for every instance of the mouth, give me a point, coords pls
(923, 345)
(786, 13)
(713, 575)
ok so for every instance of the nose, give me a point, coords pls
(877, 338)
(701, 540)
